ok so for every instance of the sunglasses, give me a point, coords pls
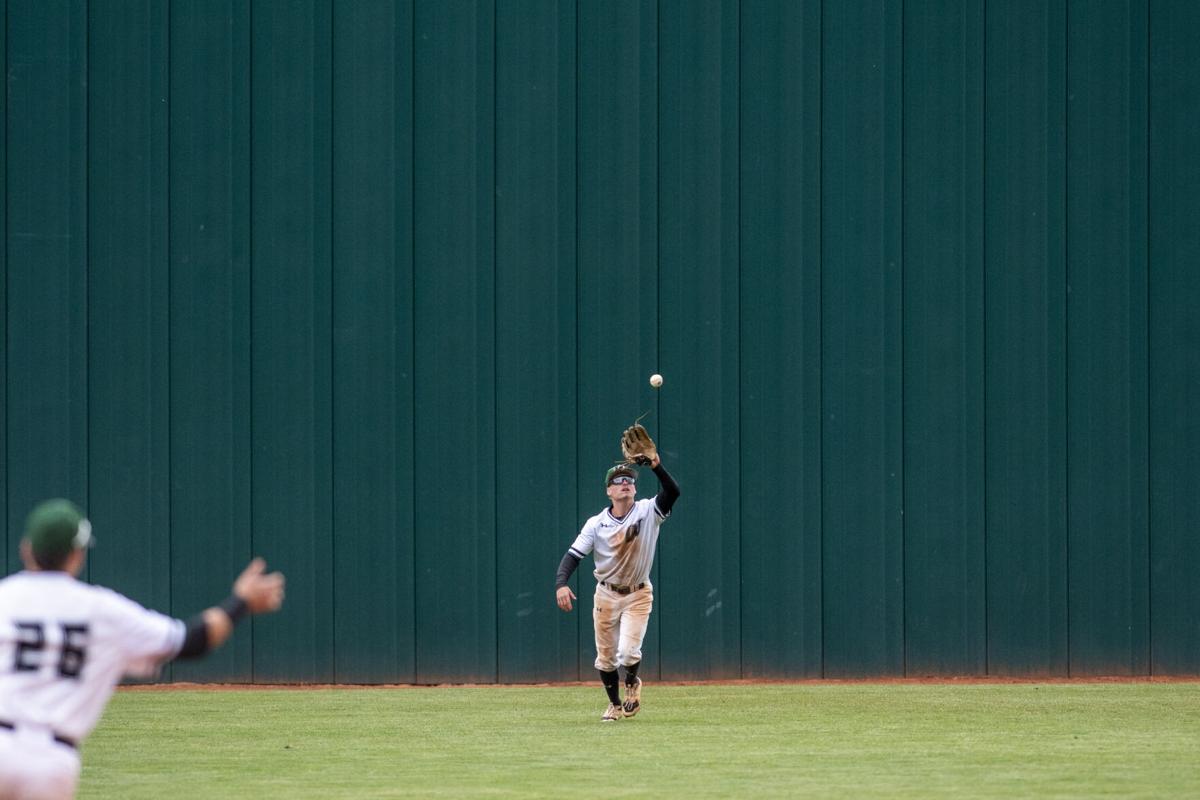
(620, 480)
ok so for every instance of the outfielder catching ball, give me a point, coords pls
(622, 538)
(64, 644)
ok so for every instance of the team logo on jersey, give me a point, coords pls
(626, 535)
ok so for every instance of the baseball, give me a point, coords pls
(656, 380)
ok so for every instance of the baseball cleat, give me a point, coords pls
(612, 713)
(633, 698)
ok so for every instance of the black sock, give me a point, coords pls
(612, 683)
(631, 673)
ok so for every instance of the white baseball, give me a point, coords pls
(656, 380)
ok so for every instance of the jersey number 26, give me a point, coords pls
(32, 641)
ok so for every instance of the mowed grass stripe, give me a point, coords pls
(823, 740)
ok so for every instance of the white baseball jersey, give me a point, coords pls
(624, 548)
(64, 646)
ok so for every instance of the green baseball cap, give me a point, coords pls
(56, 527)
(619, 469)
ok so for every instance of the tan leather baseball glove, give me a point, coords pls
(637, 445)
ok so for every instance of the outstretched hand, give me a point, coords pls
(262, 591)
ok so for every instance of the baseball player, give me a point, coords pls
(622, 539)
(65, 644)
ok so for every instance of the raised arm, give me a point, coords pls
(668, 491)
(254, 592)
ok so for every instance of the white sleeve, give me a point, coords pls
(144, 638)
(651, 510)
(584, 541)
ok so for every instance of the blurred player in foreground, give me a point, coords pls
(623, 538)
(65, 644)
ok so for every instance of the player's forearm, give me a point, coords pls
(209, 629)
(566, 568)
(668, 491)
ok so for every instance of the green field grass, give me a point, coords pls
(755, 741)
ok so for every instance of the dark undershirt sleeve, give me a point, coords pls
(195, 638)
(669, 493)
(566, 568)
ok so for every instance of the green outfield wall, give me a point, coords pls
(371, 289)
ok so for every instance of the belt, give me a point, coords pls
(8, 726)
(619, 589)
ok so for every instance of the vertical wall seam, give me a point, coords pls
(820, 402)
(332, 396)
(167, 258)
(402, 452)
(7, 309)
(658, 225)
(495, 347)
(903, 474)
(412, 320)
(821, 314)
(249, 352)
(328, 367)
(577, 618)
(737, 286)
(1149, 354)
(1066, 310)
(393, 664)
(983, 227)
(1146, 354)
(87, 246)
